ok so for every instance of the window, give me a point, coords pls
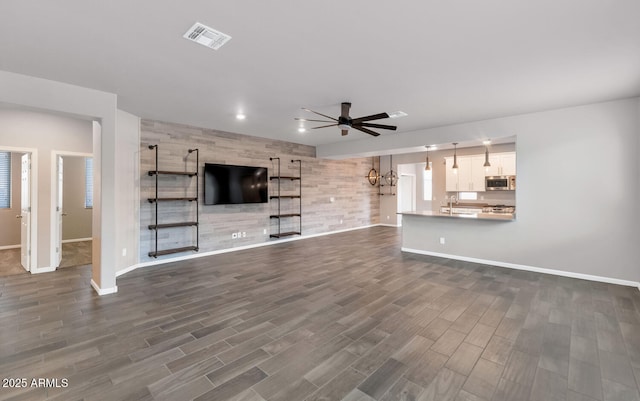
(88, 182)
(467, 196)
(427, 183)
(5, 180)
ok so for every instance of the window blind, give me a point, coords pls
(88, 181)
(5, 180)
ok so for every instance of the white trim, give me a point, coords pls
(239, 248)
(66, 241)
(103, 291)
(33, 260)
(38, 270)
(54, 231)
(516, 266)
(2, 248)
(390, 225)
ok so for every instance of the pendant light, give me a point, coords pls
(486, 155)
(373, 175)
(428, 166)
(455, 158)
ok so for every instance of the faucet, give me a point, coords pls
(452, 199)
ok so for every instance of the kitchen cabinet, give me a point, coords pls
(470, 176)
(450, 176)
(502, 164)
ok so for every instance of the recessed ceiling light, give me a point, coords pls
(398, 114)
(302, 129)
(240, 116)
(206, 36)
(486, 142)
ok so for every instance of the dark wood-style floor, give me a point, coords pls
(341, 317)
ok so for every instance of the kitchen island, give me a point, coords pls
(477, 237)
(478, 216)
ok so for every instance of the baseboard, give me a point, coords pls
(516, 266)
(389, 225)
(66, 241)
(2, 248)
(238, 248)
(128, 269)
(38, 270)
(103, 291)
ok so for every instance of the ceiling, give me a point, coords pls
(440, 62)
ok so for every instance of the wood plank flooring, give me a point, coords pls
(342, 317)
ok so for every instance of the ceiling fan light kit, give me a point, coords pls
(344, 122)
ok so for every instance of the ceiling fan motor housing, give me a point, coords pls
(344, 121)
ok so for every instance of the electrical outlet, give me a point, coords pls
(244, 234)
(387, 217)
(124, 251)
(264, 231)
(340, 221)
(441, 240)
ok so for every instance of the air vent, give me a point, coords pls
(206, 36)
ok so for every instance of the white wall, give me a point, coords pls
(128, 185)
(77, 222)
(45, 132)
(577, 194)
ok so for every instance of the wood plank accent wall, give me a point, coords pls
(355, 202)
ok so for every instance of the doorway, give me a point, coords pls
(18, 219)
(406, 192)
(72, 209)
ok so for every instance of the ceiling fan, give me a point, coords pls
(345, 122)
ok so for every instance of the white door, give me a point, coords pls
(25, 212)
(407, 193)
(59, 212)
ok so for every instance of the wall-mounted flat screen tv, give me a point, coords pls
(225, 184)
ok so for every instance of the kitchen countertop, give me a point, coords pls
(476, 216)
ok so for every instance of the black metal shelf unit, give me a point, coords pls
(156, 199)
(280, 215)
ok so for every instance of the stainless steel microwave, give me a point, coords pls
(500, 183)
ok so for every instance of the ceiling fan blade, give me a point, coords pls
(382, 126)
(371, 117)
(320, 114)
(365, 130)
(345, 109)
(325, 126)
(345, 132)
(315, 121)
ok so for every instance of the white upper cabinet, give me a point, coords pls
(477, 173)
(508, 163)
(470, 176)
(451, 177)
(502, 164)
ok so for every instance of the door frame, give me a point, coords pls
(33, 229)
(55, 230)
